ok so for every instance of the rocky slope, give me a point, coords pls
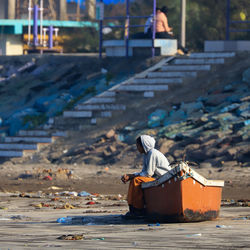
(205, 121)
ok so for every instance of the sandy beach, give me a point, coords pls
(31, 222)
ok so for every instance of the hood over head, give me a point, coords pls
(148, 142)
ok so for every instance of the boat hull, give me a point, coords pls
(182, 200)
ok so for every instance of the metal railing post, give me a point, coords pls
(127, 28)
(35, 27)
(228, 20)
(154, 26)
(100, 36)
(183, 23)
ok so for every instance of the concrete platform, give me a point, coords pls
(157, 80)
(100, 107)
(101, 100)
(29, 139)
(106, 114)
(226, 46)
(200, 61)
(212, 55)
(18, 146)
(117, 48)
(41, 133)
(33, 133)
(83, 114)
(11, 153)
(186, 68)
(171, 74)
(138, 88)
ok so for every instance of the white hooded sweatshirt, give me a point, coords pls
(155, 164)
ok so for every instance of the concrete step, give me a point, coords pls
(143, 88)
(212, 55)
(11, 153)
(86, 114)
(186, 68)
(196, 61)
(106, 114)
(29, 139)
(100, 107)
(81, 114)
(33, 133)
(41, 133)
(158, 80)
(18, 146)
(59, 134)
(171, 74)
(107, 94)
(101, 100)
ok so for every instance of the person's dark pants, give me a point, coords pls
(166, 35)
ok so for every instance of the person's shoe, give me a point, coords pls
(180, 52)
(185, 51)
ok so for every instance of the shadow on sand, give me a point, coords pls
(99, 220)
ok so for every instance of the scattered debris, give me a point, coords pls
(47, 178)
(84, 194)
(223, 226)
(194, 235)
(91, 203)
(154, 225)
(71, 237)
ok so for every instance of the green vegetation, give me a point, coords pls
(71, 103)
(34, 120)
(109, 76)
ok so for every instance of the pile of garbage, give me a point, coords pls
(48, 174)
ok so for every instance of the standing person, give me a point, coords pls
(155, 164)
(163, 30)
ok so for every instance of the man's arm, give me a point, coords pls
(165, 23)
(127, 177)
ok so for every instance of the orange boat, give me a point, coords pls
(182, 195)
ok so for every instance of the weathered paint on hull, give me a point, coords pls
(182, 200)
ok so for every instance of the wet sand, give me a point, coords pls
(25, 225)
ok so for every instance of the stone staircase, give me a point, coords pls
(26, 142)
(169, 71)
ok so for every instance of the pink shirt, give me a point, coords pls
(162, 23)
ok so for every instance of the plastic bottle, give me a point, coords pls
(64, 220)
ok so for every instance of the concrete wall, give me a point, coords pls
(11, 9)
(11, 45)
(220, 46)
(63, 10)
(3, 8)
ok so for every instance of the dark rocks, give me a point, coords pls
(215, 100)
(164, 145)
(110, 134)
(156, 118)
(191, 107)
(246, 76)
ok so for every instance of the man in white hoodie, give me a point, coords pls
(155, 164)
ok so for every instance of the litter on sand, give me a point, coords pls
(71, 237)
(223, 226)
(154, 225)
(193, 235)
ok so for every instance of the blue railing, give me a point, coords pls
(229, 22)
(126, 27)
